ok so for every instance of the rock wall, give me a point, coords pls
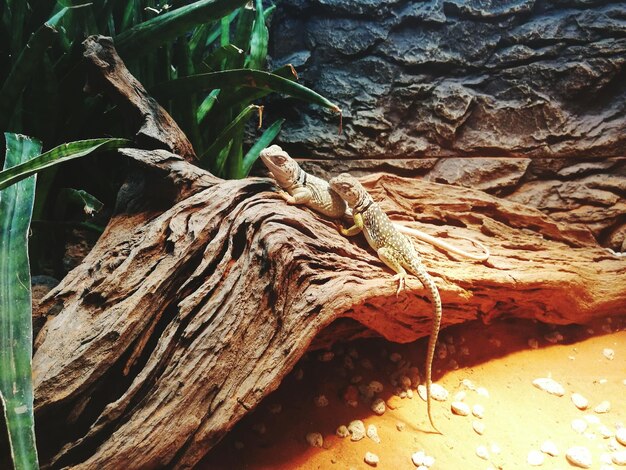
(533, 91)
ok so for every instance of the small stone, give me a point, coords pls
(620, 435)
(605, 432)
(409, 394)
(394, 402)
(495, 342)
(533, 343)
(367, 364)
(259, 428)
(579, 425)
(464, 351)
(275, 408)
(378, 406)
(467, 383)
(550, 448)
(591, 419)
(405, 382)
(418, 458)
(315, 439)
(579, 401)
(608, 353)
(495, 448)
(372, 433)
(619, 458)
(348, 363)
(549, 385)
(482, 391)
(342, 431)
(320, 401)
(478, 427)
(579, 456)
(356, 429)
(351, 396)
(535, 458)
(482, 452)
(459, 396)
(437, 391)
(395, 357)
(400, 426)
(602, 381)
(478, 410)
(429, 461)
(371, 459)
(460, 408)
(603, 407)
(442, 351)
(326, 356)
(375, 386)
(414, 374)
(355, 379)
(553, 337)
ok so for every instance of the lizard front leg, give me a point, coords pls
(356, 228)
(389, 257)
(298, 197)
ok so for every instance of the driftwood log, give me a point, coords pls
(201, 295)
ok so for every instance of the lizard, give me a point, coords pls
(395, 250)
(301, 188)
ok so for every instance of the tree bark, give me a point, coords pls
(201, 295)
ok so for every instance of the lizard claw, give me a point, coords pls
(401, 284)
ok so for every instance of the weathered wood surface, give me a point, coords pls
(180, 321)
(202, 294)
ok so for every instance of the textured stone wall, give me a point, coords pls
(533, 91)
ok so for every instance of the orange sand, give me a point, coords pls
(518, 417)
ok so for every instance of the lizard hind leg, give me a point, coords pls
(388, 257)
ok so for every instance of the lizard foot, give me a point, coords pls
(400, 277)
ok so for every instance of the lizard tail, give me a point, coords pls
(428, 282)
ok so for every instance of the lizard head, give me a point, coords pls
(284, 169)
(349, 188)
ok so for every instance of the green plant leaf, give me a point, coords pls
(145, 37)
(206, 105)
(16, 334)
(226, 136)
(25, 66)
(255, 79)
(265, 140)
(57, 155)
(70, 196)
(258, 39)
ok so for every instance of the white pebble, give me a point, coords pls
(535, 458)
(400, 426)
(442, 351)
(482, 391)
(315, 439)
(495, 448)
(482, 452)
(409, 393)
(320, 401)
(478, 410)
(378, 406)
(579, 425)
(603, 407)
(605, 431)
(356, 429)
(549, 385)
(478, 427)
(619, 458)
(429, 461)
(550, 448)
(405, 382)
(371, 459)
(372, 433)
(579, 401)
(608, 353)
(459, 396)
(342, 431)
(460, 408)
(418, 458)
(591, 419)
(533, 343)
(437, 391)
(620, 435)
(467, 383)
(579, 456)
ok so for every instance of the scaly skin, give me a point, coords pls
(303, 188)
(395, 250)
